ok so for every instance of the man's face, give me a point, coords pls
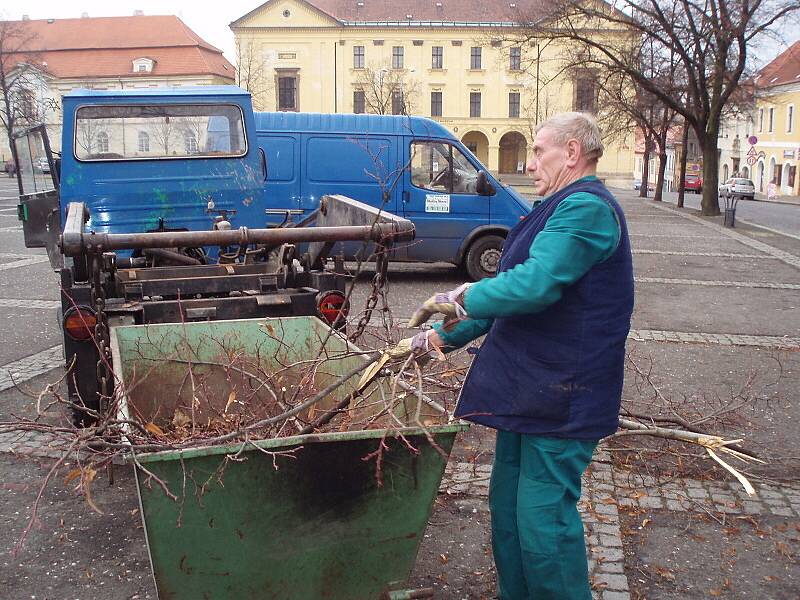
(547, 162)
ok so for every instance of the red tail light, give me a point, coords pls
(79, 323)
(333, 307)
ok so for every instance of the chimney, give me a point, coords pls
(138, 13)
(84, 15)
(26, 18)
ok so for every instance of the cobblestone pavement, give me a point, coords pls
(22, 370)
(606, 489)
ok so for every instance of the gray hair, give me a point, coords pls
(576, 126)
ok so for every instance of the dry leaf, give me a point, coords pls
(88, 477)
(665, 573)
(74, 474)
(231, 400)
(180, 418)
(715, 592)
(154, 429)
(646, 522)
(444, 559)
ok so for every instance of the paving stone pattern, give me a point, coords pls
(706, 254)
(31, 366)
(704, 282)
(724, 339)
(31, 260)
(17, 303)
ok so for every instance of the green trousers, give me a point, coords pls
(537, 533)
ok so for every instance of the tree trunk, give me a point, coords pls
(662, 168)
(684, 158)
(645, 170)
(710, 203)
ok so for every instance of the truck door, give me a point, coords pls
(282, 186)
(440, 197)
(39, 208)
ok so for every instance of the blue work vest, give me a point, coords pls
(558, 372)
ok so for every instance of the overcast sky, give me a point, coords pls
(211, 22)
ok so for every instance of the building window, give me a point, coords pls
(437, 57)
(102, 142)
(771, 119)
(287, 93)
(515, 58)
(398, 106)
(189, 143)
(585, 92)
(475, 57)
(141, 68)
(436, 104)
(358, 57)
(474, 104)
(397, 57)
(144, 142)
(359, 102)
(790, 118)
(513, 105)
(760, 119)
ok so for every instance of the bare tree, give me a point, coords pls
(387, 91)
(709, 39)
(251, 73)
(18, 77)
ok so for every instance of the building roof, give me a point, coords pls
(107, 47)
(423, 12)
(784, 68)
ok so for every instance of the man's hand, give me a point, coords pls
(421, 345)
(449, 303)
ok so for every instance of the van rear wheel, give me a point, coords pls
(483, 257)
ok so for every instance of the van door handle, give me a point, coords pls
(406, 197)
(263, 162)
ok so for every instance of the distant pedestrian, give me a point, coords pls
(772, 191)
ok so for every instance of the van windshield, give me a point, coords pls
(159, 131)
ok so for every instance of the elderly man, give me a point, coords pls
(548, 376)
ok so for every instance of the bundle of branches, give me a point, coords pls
(665, 424)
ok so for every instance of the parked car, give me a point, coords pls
(42, 164)
(637, 184)
(737, 187)
(693, 183)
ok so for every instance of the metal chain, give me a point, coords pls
(378, 281)
(101, 332)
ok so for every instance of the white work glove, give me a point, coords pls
(420, 346)
(449, 303)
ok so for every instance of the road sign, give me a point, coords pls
(751, 160)
(752, 151)
(753, 140)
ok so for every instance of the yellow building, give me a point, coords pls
(454, 61)
(777, 151)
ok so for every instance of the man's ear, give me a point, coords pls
(573, 152)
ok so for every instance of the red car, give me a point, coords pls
(693, 183)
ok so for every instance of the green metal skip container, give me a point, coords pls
(336, 515)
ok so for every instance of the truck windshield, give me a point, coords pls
(105, 133)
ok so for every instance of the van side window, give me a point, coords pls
(441, 167)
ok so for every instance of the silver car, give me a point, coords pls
(737, 187)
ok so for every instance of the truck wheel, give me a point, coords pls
(483, 257)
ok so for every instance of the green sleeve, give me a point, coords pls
(582, 232)
(463, 332)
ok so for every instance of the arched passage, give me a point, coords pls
(513, 152)
(478, 144)
(785, 189)
(746, 172)
(724, 173)
(760, 181)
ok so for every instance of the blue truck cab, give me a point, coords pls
(178, 158)
(410, 166)
(144, 160)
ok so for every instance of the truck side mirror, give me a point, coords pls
(483, 187)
